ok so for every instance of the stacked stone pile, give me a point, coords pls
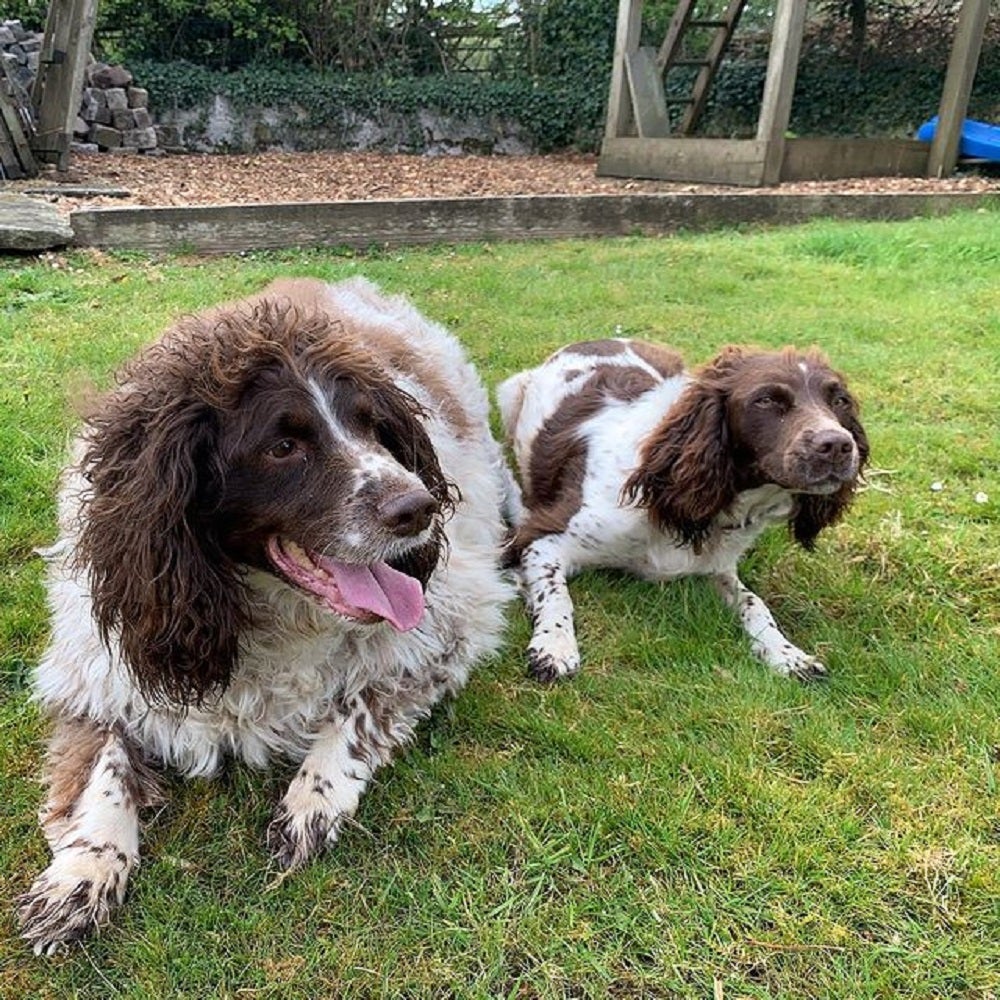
(114, 113)
(19, 52)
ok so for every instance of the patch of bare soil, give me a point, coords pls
(178, 180)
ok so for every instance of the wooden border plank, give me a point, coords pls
(365, 224)
(705, 161)
(830, 159)
(742, 161)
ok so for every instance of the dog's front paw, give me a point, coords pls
(293, 839)
(548, 667)
(808, 668)
(73, 897)
(790, 661)
(307, 820)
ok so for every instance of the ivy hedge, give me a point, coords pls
(555, 114)
(547, 62)
(890, 96)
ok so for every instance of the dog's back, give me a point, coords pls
(574, 383)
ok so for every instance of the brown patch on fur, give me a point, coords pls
(396, 353)
(595, 348)
(307, 294)
(662, 359)
(141, 784)
(558, 461)
(74, 750)
(390, 345)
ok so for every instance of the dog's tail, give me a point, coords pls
(510, 399)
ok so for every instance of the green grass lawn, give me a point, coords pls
(674, 822)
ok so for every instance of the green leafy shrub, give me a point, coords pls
(545, 63)
(555, 115)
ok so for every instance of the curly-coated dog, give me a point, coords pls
(279, 538)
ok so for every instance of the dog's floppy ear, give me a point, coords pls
(400, 429)
(812, 514)
(160, 584)
(686, 474)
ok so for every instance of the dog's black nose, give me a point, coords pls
(407, 514)
(832, 443)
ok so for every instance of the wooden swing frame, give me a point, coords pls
(636, 143)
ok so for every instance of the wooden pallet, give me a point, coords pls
(16, 158)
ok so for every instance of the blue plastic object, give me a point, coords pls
(978, 140)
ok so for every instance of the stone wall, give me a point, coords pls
(115, 115)
(220, 126)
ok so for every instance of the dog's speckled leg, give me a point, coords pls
(91, 821)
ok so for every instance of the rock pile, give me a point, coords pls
(114, 113)
(19, 52)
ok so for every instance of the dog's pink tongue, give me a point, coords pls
(392, 595)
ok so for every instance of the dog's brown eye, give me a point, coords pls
(769, 402)
(840, 400)
(282, 449)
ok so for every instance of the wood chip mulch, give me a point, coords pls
(191, 179)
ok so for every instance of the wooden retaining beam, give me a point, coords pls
(745, 161)
(366, 224)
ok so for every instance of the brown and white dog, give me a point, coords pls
(280, 538)
(629, 462)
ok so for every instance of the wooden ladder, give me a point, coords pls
(714, 33)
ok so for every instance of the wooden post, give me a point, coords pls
(69, 31)
(621, 121)
(779, 86)
(958, 81)
(645, 84)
